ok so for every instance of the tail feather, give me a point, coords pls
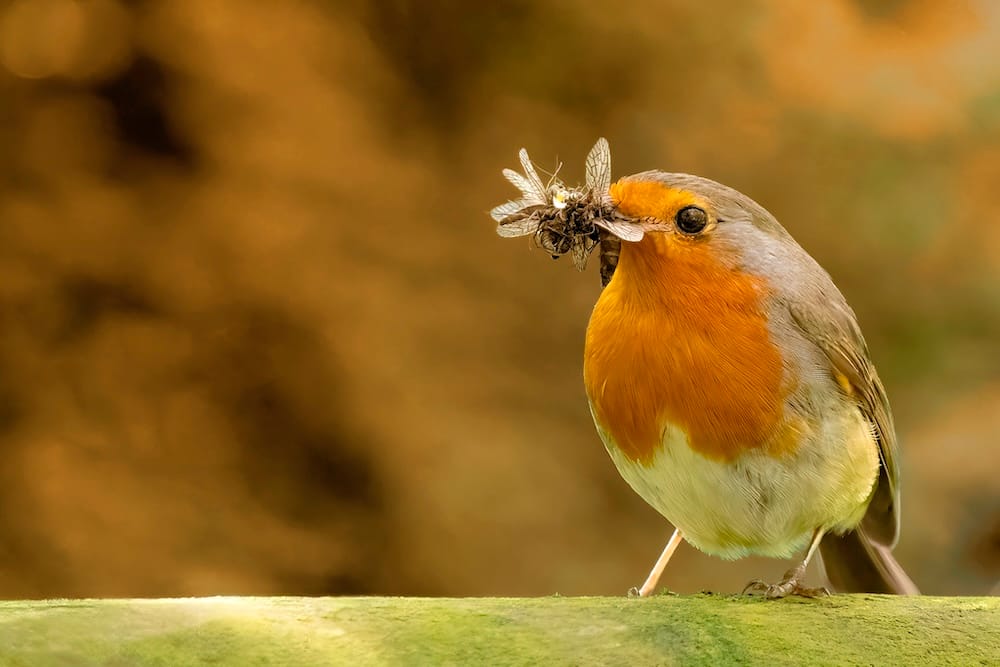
(855, 563)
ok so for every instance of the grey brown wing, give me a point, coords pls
(833, 327)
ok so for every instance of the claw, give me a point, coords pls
(789, 585)
(634, 592)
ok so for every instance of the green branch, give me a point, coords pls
(664, 630)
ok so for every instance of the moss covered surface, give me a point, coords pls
(664, 630)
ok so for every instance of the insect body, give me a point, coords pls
(566, 220)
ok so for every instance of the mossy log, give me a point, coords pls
(662, 630)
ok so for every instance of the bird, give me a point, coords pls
(730, 382)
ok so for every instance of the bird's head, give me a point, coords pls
(674, 228)
(693, 223)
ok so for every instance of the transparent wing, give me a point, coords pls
(536, 187)
(599, 168)
(510, 208)
(580, 251)
(526, 187)
(519, 226)
(625, 230)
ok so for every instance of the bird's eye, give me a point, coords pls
(691, 219)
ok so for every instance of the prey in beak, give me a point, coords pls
(565, 220)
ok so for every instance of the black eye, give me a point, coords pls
(691, 219)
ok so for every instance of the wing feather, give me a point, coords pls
(832, 326)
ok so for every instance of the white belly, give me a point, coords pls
(758, 504)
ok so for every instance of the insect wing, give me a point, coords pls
(535, 186)
(526, 187)
(599, 168)
(510, 208)
(625, 230)
(580, 251)
(523, 225)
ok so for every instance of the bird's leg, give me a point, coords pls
(661, 562)
(791, 583)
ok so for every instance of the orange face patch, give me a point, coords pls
(650, 199)
(679, 338)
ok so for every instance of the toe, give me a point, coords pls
(776, 592)
(790, 585)
(820, 592)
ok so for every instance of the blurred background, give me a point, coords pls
(257, 334)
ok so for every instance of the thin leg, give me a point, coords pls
(791, 583)
(661, 563)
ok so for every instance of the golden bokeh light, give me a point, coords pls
(76, 39)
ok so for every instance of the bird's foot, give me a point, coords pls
(790, 584)
(634, 592)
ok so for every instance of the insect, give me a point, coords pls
(566, 220)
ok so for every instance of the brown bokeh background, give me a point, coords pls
(257, 334)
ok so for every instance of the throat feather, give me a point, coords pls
(678, 339)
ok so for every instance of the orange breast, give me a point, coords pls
(679, 338)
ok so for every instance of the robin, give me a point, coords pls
(730, 382)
